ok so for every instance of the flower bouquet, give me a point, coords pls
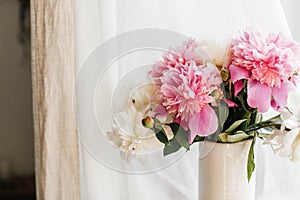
(201, 93)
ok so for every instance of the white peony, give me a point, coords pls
(216, 50)
(128, 132)
(287, 143)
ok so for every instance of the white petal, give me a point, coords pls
(291, 123)
(293, 102)
(296, 149)
(285, 114)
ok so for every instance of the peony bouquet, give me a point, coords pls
(201, 92)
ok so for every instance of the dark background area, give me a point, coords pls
(16, 129)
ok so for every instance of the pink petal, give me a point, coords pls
(230, 104)
(280, 95)
(259, 96)
(203, 123)
(160, 110)
(238, 73)
(238, 86)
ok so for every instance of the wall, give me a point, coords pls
(16, 132)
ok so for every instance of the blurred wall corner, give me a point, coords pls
(16, 129)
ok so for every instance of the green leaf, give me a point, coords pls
(223, 113)
(161, 136)
(276, 118)
(182, 138)
(223, 137)
(259, 118)
(251, 163)
(180, 135)
(240, 136)
(270, 124)
(247, 115)
(235, 125)
(171, 147)
(264, 124)
(253, 117)
(243, 103)
(175, 127)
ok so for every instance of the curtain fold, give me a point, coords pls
(53, 80)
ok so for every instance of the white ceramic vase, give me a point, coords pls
(223, 172)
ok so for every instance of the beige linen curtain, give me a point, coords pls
(53, 79)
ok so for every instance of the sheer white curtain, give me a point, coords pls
(290, 8)
(99, 20)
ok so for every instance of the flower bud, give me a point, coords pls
(217, 94)
(148, 122)
(225, 75)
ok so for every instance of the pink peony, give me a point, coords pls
(171, 59)
(186, 85)
(269, 63)
(185, 91)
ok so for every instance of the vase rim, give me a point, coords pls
(229, 144)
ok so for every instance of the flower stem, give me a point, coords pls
(255, 128)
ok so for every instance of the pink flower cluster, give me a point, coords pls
(186, 85)
(269, 63)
